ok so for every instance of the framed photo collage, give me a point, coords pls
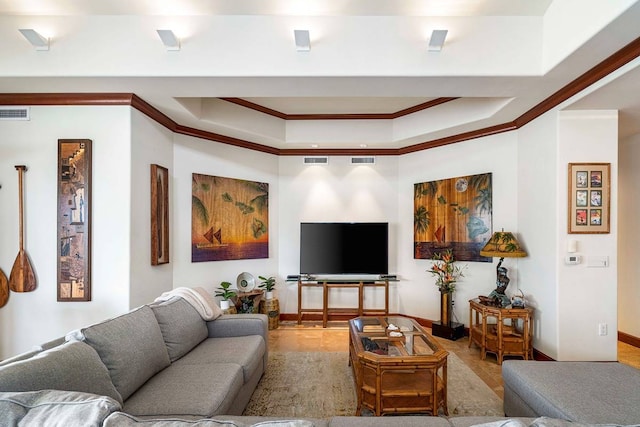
(589, 198)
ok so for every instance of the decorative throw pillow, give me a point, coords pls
(69, 409)
(181, 326)
(131, 346)
(74, 366)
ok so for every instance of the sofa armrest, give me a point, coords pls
(236, 325)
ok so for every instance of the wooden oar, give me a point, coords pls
(22, 278)
(4, 288)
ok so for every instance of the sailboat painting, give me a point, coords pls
(453, 213)
(229, 219)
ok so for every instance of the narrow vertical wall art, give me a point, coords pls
(74, 220)
(159, 215)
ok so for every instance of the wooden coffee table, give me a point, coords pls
(393, 375)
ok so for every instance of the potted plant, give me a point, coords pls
(271, 306)
(447, 274)
(226, 293)
(445, 271)
(267, 283)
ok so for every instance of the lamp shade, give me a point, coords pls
(503, 244)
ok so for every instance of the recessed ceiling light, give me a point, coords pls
(436, 42)
(170, 41)
(36, 39)
(303, 40)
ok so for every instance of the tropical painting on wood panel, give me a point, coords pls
(229, 219)
(454, 213)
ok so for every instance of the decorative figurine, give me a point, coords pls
(502, 281)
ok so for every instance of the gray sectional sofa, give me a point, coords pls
(589, 392)
(159, 360)
(162, 365)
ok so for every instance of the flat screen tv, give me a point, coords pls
(344, 248)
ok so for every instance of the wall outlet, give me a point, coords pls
(602, 329)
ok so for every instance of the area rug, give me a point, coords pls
(320, 385)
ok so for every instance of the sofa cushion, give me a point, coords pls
(120, 419)
(539, 422)
(247, 351)
(55, 408)
(589, 392)
(22, 356)
(253, 420)
(182, 389)
(284, 423)
(181, 325)
(468, 421)
(73, 366)
(131, 346)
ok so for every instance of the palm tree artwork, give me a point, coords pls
(453, 214)
(229, 218)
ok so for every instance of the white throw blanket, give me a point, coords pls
(199, 298)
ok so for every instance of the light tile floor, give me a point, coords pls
(311, 336)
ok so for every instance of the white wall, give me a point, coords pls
(193, 155)
(587, 296)
(570, 301)
(336, 192)
(537, 207)
(31, 318)
(628, 207)
(497, 154)
(151, 144)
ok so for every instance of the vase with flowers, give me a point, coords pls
(447, 274)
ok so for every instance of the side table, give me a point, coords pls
(248, 302)
(502, 331)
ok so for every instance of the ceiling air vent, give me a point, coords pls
(316, 160)
(14, 113)
(367, 160)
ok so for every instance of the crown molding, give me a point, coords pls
(606, 67)
(342, 116)
(237, 142)
(67, 99)
(466, 136)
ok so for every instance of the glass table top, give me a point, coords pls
(375, 336)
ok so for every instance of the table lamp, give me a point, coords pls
(502, 244)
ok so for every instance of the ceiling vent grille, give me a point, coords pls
(368, 160)
(316, 160)
(14, 113)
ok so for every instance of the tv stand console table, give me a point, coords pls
(328, 284)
